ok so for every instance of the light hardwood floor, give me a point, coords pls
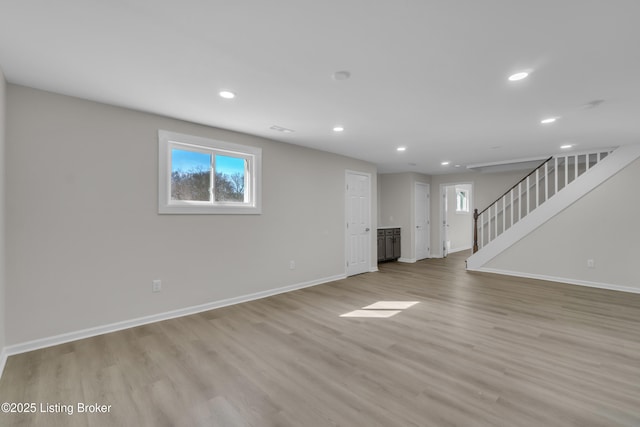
(477, 350)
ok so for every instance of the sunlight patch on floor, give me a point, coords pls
(390, 305)
(381, 309)
(371, 313)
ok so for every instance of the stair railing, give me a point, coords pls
(542, 183)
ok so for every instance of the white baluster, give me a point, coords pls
(504, 213)
(519, 201)
(527, 195)
(537, 189)
(482, 229)
(546, 181)
(555, 188)
(511, 207)
(489, 227)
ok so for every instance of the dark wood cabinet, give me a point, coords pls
(388, 244)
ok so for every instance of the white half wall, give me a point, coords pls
(85, 239)
(601, 226)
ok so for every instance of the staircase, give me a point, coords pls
(557, 183)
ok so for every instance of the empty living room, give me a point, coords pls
(319, 214)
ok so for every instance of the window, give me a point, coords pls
(204, 176)
(462, 201)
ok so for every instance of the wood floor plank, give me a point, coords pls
(475, 350)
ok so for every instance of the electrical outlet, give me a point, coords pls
(591, 263)
(292, 265)
(156, 286)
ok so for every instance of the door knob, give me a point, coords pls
(366, 229)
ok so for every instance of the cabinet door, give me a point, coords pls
(388, 247)
(381, 247)
(396, 246)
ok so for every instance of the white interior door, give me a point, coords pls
(445, 224)
(358, 214)
(422, 207)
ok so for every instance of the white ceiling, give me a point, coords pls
(428, 75)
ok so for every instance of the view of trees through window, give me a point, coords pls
(191, 177)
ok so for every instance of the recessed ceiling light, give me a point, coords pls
(444, 163)
(566, 146)
(338, 129)
(226, 94)
(518, 76)
(401, 148)
(457, 166)
(548, 120)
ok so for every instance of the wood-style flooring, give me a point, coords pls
(476, 350)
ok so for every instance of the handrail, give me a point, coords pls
(514, 186)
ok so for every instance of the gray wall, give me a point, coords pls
(86, 239)
(397, 206)
(3, 89)
(560, 248)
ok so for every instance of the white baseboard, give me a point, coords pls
(410, 260)
(566, 280)
(468, 248)
(113, 327)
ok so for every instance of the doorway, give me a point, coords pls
(456, 217)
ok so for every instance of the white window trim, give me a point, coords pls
(168, 140)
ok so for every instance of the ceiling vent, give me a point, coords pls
(592, 104)
(281, 129)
